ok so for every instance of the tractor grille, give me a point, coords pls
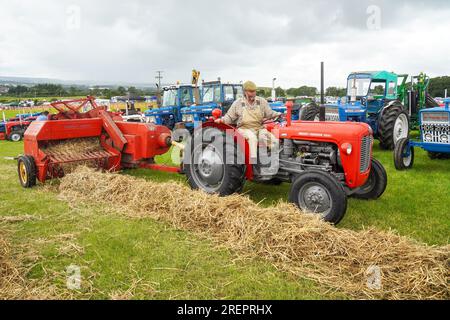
(366, 148)
(436, 133)
(332, 114)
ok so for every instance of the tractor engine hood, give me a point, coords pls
(359, 135)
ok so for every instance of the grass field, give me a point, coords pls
(144, 259)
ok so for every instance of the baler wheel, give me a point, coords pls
(27, 171)
(403, 158)
(393, 125)
(310, 112)
(376, 184)
(317, 192)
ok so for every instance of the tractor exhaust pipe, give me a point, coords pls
(322, 92)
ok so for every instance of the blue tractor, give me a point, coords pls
(376, 98)
(215, 95)
(434, 137)
(174, 99)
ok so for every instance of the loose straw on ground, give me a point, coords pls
(367, 264)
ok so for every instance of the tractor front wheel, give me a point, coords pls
(375, 185)
(403, 155)
(393, 126)
(27, 171)
(317, 192)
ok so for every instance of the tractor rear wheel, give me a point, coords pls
(393, 125)
(375, 185)
(317, 192)
(403, 155)
(206, 166)
(430, 102)
(27, 171)
(310, 112)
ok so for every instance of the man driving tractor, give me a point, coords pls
(249, 114)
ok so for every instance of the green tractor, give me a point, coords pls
(384, 100)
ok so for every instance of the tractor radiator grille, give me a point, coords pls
(366, 146)
(436, 133)
(332, 114)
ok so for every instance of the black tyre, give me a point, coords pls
(310, 112)
(15, 136)
(317, 192)
(26, 169)
(403, 155)
(438, 155)
(206, 166)
(430, 102)
(393, 125)
(375, 185)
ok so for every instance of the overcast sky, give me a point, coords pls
(128, 41)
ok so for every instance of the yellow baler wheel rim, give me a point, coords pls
(23, 172)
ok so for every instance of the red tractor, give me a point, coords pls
(325, 161)
(14, 129)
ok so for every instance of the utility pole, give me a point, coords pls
(159, 77)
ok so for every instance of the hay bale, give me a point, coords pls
(300, 244)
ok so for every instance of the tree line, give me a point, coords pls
(436, 89)
(56, 90)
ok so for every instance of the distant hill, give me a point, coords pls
(33, 81)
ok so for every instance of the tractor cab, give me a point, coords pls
(367, 93)
(215, 95)
(174, 99)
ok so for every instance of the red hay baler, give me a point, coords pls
(121, 144)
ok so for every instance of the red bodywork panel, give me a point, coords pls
(337, 133)
(142, 143)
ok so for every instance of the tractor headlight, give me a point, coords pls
(444, 138)
(188, 118)
(428, 137)
(347, 148)
(151, 119)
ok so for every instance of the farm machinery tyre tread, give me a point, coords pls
(233, 175)
(322, 182)
(387, 125)
(26, 169)
(399, 159)
(309, 112)
(430, 102)
(376, 185)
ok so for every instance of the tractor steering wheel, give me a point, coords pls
(279, 119)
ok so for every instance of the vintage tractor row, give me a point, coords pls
(434, 137)
(175, 98)
(214, 95)
(384, 100)
(325, 162)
